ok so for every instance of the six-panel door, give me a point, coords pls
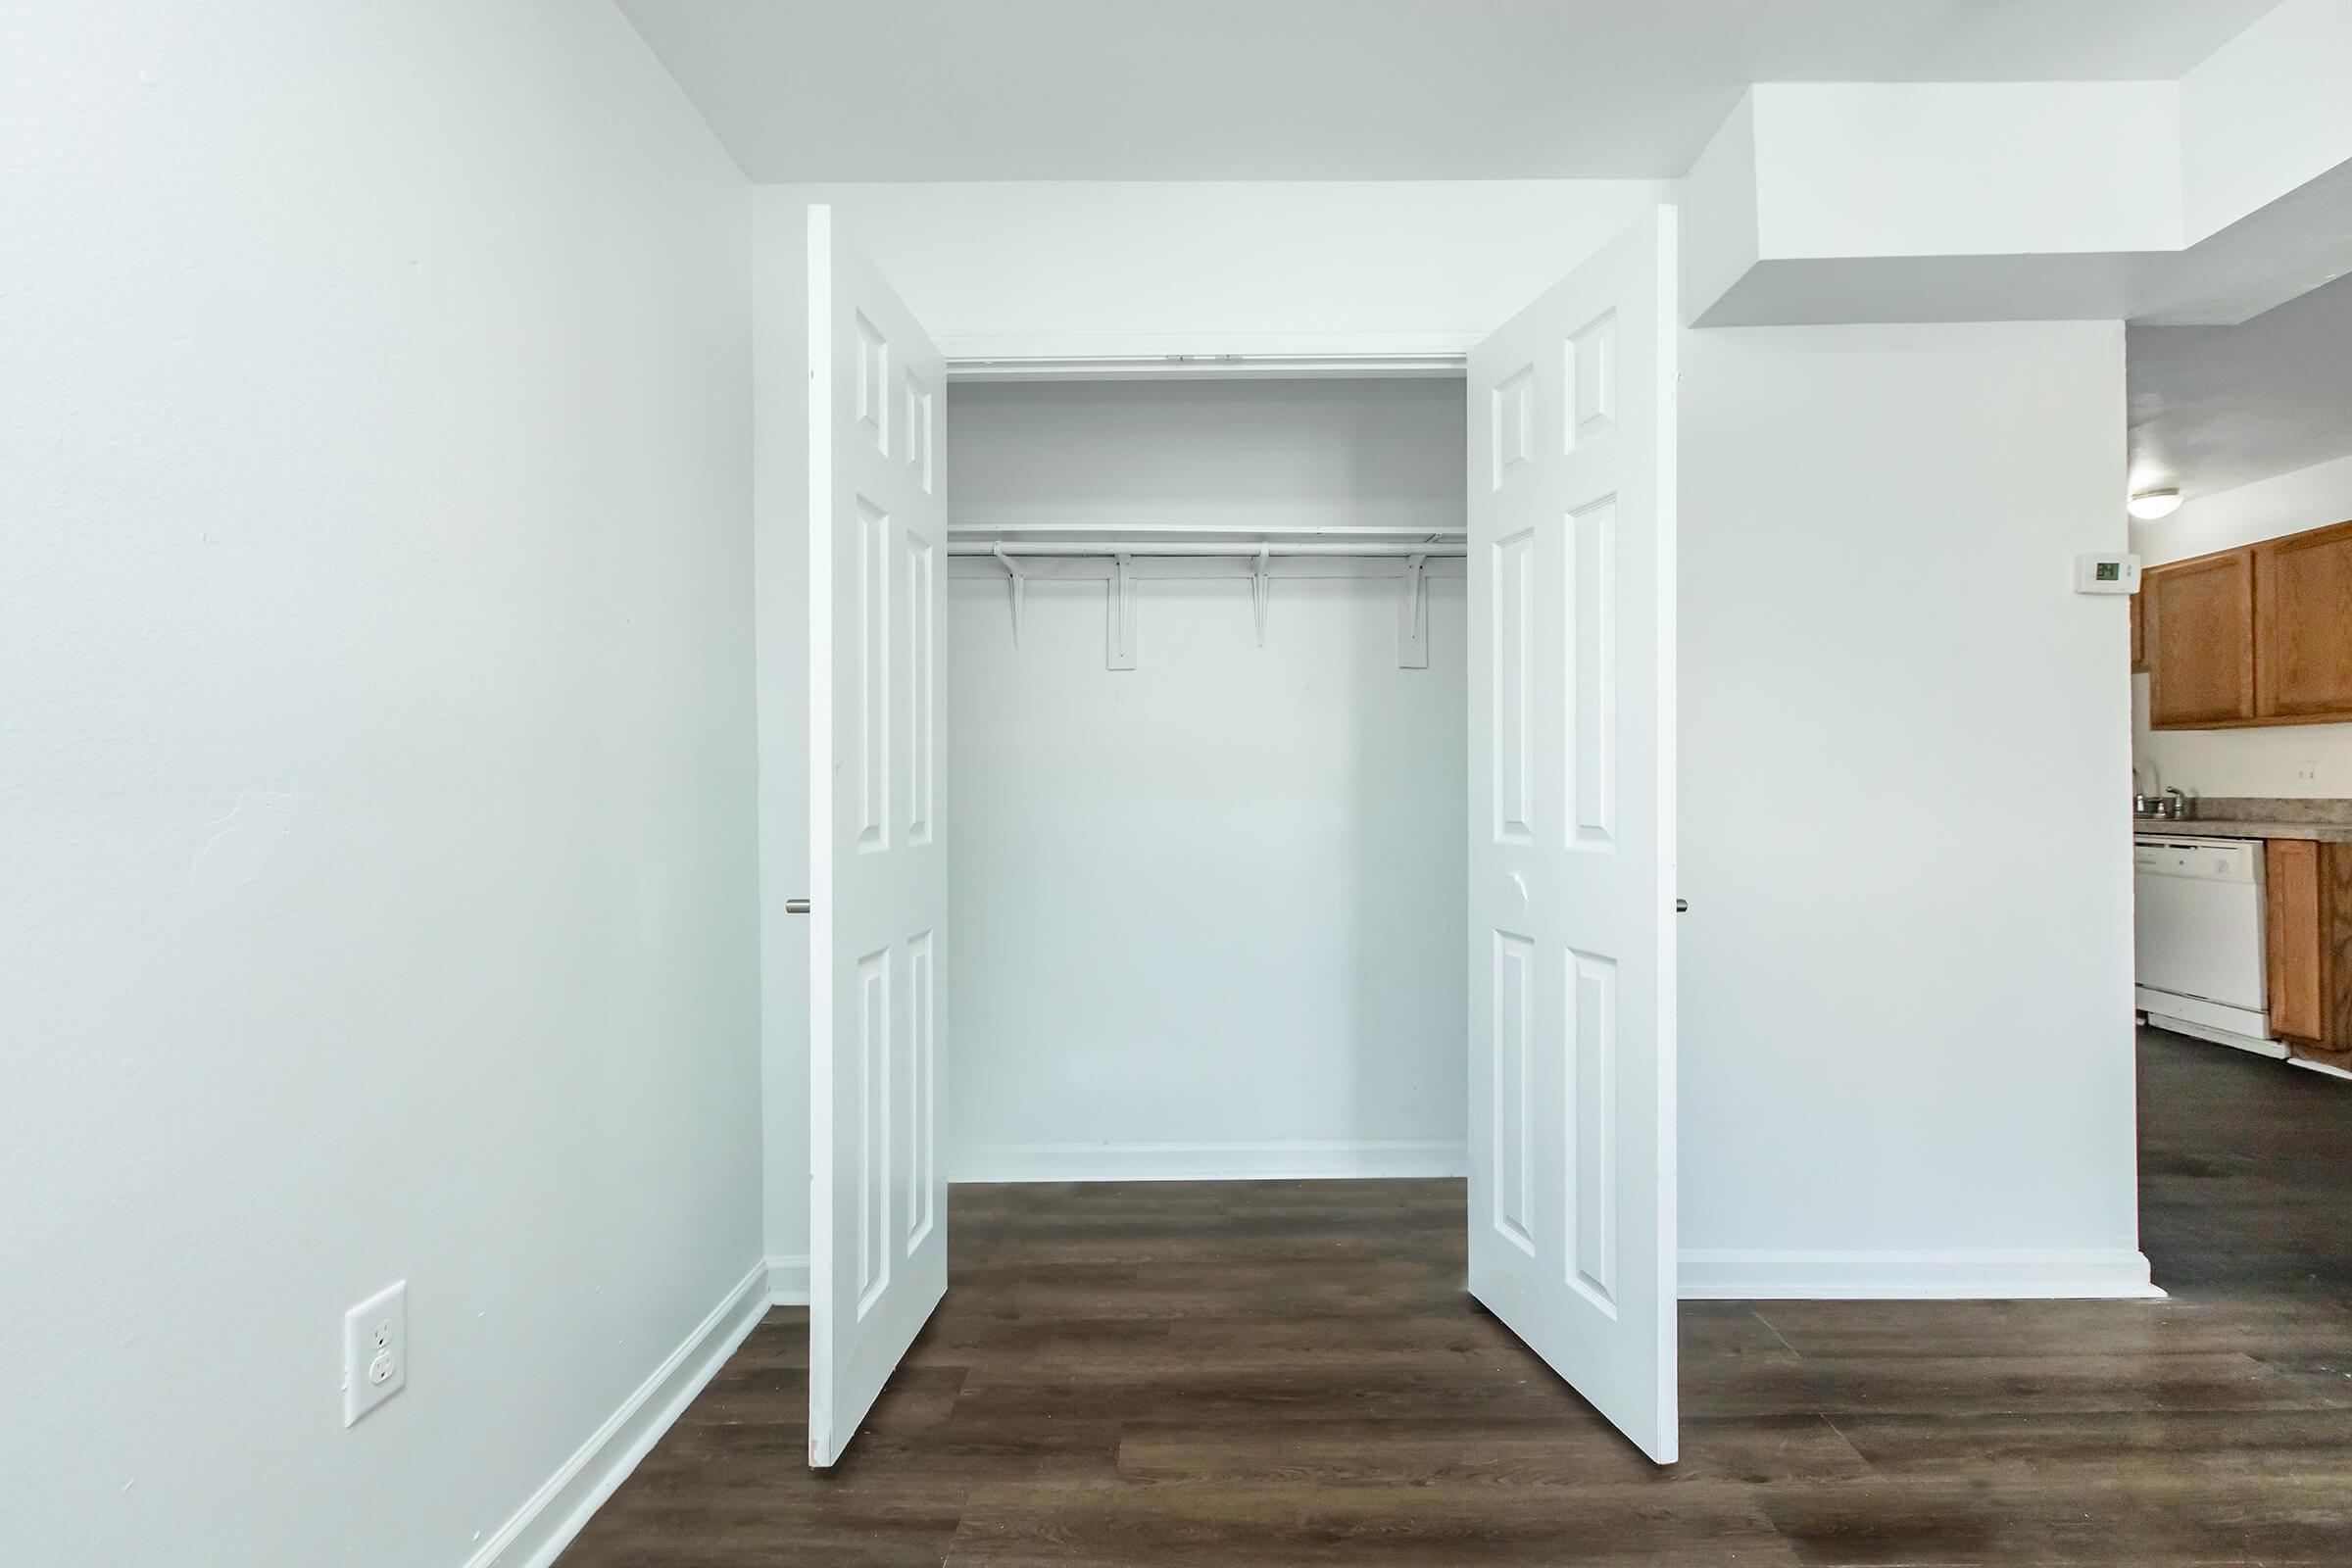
(1571, 510)
(878, 856)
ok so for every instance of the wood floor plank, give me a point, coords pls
(1929, 1385)
(1279, 1524)
(2131, 1519)
(2168, 1444)
(1429, 1452)
(2248, 1322)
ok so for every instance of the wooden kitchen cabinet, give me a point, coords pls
(2303, 624)
(2199, 633)
(2294, 939)
(2307, 947)
(2259, 635)
(2139, 638)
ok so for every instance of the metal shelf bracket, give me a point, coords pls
(1122, 613)
(1413, 617)
(1261, 590)
(1018, 577)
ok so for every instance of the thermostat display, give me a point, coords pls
(2106, 574)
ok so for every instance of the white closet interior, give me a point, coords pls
(1207, 861)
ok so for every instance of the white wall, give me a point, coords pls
(1906, 1028)
(1859, 169)
(2207, 199)
(2290, 760)
(1259, 267)
(376, 879)
(2262, 115)
(1207, 913)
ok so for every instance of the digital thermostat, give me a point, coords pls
(2106, 574)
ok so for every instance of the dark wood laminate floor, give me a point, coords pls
(1288, 1372)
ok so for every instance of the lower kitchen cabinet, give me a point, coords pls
(2294, 940)
(2307, 941)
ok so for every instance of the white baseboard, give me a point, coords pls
(1285, 1160)
(2318, 1067)
(545, 1525)
(2211, 1021)
(788, 1281)
(1870, 1276)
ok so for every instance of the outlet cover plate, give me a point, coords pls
(376, 1351)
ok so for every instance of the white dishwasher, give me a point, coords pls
(2197, 939)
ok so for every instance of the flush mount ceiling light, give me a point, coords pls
(2149, 505)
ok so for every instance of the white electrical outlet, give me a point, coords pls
(2307, 772)
(376, 1351)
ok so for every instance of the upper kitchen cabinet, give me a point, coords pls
(2199, 631)
(2303, 625)
(2261, 635)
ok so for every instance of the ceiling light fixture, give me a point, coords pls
(2149, 505)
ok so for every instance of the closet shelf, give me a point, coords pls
(1213, 530)
(1246, 549)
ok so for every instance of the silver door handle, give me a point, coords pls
(1682, 905)
(796, 905)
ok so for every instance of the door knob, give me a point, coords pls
(796, 905)
(1682, 905)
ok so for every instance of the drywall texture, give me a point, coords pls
(1207, 913)
(377, 875)
(1907, 1051)
(2289, 761)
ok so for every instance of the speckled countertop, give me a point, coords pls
(2256, 818)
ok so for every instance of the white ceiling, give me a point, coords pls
(2213, 407)
(1339, 89)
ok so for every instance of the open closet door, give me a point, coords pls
(878, 870)
(1572, 687)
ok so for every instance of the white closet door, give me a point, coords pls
(877, 635)
(1572, 562)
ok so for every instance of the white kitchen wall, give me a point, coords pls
(2287, 761)
(376, 880)
(1207, 913)
(1906, 1030)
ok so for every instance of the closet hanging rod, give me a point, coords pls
(1104, 531)
(1237, 550)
